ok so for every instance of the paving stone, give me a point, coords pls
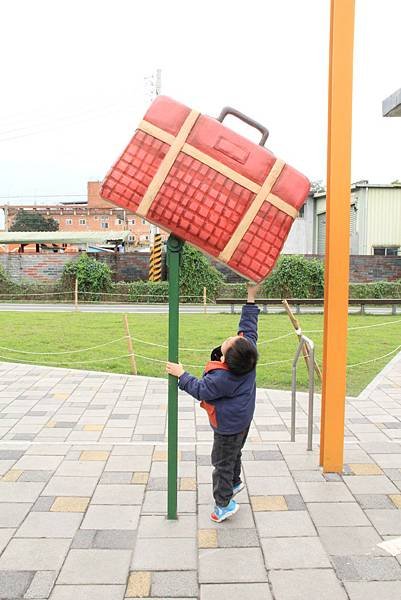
(95, 567)
(13, 584)
(294, 553)
(34, 554)
(389, 461)
(363, 590)
(43, 504)
(118, 539)
(368, 568)
(395, 499)
(310, 584)
(237, 538)
(365, 469)
(157, 484)
(35, 476)
(374, 501)
(5, 537)
(156, 502)
(227, 565)
(139, 583)
(295, 502)
(11, 454)
(158, 526)
(325, 492)
(175, 584)
(267, 455)
(116, 477)
(299, 462)
(41, 585)
(270, 486)
(19, 492)
(94, 455)
(70, 504)
(332, 477)
(242, 591)
(128, 463)
(70, 486)
(119, 494)
(284, 524)
(84, 538)
(38, 463)
(49, 525)
(265, 468)
(207, 538)
(371, 484)
(203, 460)
(93, 427)
(140, 477)
(309, 476)
(348, 541)
(12, 475)
(263, 503)
(187, 484)
(337, 514)
(165, 554)
(76, 468)
(387, 522)
(111, 517)
(12, 514)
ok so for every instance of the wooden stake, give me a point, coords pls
(130, 347)
(204, 301)
(297, 328)
(76, 294)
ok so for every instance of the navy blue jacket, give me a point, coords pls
(228, 398)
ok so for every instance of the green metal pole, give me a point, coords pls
(174, 250)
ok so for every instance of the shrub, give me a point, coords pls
(196, 272)
(295, 277)
(377, 289)
(92, 275)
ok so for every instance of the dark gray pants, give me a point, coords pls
(226, 459)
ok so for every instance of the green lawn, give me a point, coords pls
(57, 332)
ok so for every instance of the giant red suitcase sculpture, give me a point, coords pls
(208, 185)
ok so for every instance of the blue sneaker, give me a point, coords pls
(238, 488)
(222, 513)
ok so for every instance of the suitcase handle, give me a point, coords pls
(228, 110)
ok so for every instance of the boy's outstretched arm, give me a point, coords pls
(207, 388)
(248, 324)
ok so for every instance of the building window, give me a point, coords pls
(301, 214)
(143, 221)
(386, 250)
(104, 219)
(82, 221)
(68, 221)
(119, 221)
(104, 225)
(132, 221)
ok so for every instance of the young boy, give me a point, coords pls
(227, 391)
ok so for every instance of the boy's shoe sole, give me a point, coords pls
(216, 519)
(238, 489)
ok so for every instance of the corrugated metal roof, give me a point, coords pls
(61, 237)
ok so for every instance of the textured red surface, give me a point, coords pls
(197, 203)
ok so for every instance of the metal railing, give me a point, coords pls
(303, 341)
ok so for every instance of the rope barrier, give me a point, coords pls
(359, 326)
(64, 351)
(375, 359)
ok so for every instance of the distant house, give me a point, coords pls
(375, 222)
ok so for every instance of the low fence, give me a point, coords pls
(319, 302)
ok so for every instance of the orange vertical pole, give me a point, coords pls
(337, 234)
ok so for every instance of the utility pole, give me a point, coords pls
(152, 90)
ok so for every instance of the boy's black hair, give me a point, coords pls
(241, 357)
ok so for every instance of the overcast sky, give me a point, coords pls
(72, 81)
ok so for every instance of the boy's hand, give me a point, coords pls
(253, 289)
(175, 369)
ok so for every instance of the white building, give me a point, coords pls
(375, 222)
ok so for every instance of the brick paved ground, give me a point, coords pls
(83, 496)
